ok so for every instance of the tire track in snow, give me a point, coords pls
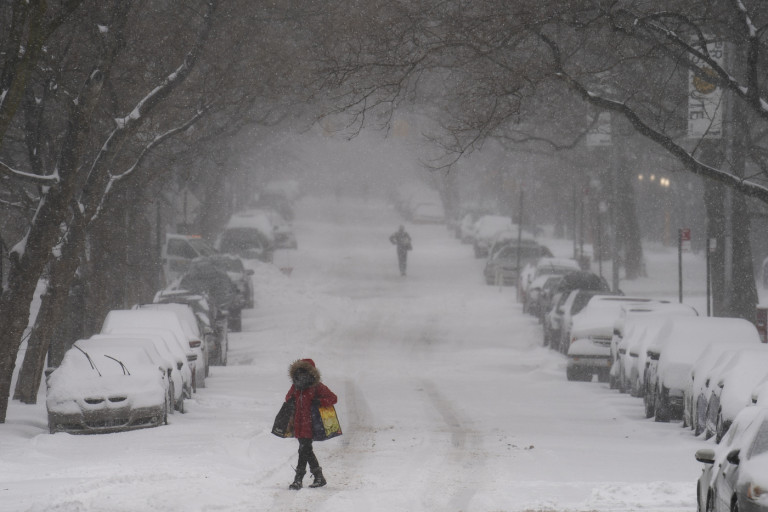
(461, 455)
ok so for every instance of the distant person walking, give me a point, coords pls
(402, 240)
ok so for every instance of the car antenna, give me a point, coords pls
(89, 359)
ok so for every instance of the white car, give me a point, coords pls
(192, 330)
(725, 459)
(697, 392)
(681, 343)
(486, 230)
(160, 354)
(100, 387)
(732, 391)
(165, 325)
(628, 316)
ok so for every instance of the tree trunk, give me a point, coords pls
(629, 236)
(58, 318)
(30, 258)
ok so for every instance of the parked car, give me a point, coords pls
(164, 324)
(732, 391)
(178, 251)
(485, 231)
(538, 292)
(428, 213)
(637, 346)
(282, 231)
(214, 320)
(161, 355)
(504, 264)
(211, 280)
(697, 392)
(587, 336)
(238, 274)
(627, 315)
(101, 388)
(734, 476)
(249, 235)
(192, 331)
(673, 355)
(570, 303)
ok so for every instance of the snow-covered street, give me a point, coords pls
(447, 400)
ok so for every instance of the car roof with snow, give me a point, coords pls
(684, 333)
(602, 311)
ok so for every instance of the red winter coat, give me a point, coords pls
(302, 420)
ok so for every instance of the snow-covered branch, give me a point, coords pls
(747, 188)
(49, 179)
(114, 179)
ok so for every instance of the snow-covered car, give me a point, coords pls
(555, 266)
(426, 213)
(587, 336)
(672, 356)
(733, 389)
(192, 332)
(627, 315)
(503, 265)
(250, 235)
(569, 304)
(165, 324)
(160, 355)
(100, 387)
(282, 231)
(697, 392)
(178, 251)
(485, 231)
(238, 274)
(466, 233)
(734, 472)
(214, 321)
(213, 281)
(537, 295)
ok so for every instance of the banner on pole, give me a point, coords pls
(705, 109)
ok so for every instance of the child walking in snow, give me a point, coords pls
(307, 389)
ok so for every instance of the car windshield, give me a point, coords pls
(241, 239)
(580, 301)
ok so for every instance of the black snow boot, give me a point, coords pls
(319, 478)
(296, 485)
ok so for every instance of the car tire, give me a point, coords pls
(236, 322)
(720, 429)
(648, 406)
(172, 396)
(660, 413)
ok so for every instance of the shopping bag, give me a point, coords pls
(283, 426)
(325, 423)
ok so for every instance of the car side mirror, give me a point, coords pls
(733, 457)
(705, 455)
(179, 365)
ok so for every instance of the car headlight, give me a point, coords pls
(755, 492)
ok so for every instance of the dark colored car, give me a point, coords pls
(213, 319)
(240, 276)
(205, 277)
(553, 315)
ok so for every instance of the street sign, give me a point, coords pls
(685, 239)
